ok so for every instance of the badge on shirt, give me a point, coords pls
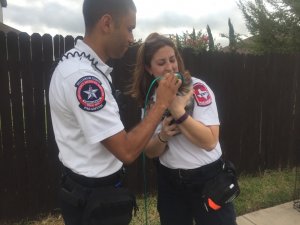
(90, 94)
(201, 95)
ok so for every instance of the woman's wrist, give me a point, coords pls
(178, 113)
(161, 139)
(182, 118)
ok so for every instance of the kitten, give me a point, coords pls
(185, 88)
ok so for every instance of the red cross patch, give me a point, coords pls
(201, 95)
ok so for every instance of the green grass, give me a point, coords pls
(264, 190)
(261, 191)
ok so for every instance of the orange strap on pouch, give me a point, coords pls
(213, 205)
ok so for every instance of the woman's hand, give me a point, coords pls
(177, 106)
(168, 129)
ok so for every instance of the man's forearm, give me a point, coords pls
(141, 134)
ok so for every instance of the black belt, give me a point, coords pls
(113, 179)
(209, 169)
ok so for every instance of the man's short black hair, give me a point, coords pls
(93, 10)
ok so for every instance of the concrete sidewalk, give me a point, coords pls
(284, 214)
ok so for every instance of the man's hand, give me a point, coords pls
(167, 89)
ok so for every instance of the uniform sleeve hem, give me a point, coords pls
(106, 134)
(211, 123)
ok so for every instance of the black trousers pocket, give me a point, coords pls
(72, 193)
(109, 206)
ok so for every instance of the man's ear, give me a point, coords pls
(105, 23)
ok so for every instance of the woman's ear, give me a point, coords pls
(147, 68)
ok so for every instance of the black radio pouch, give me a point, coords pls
(109, 206)
(221, 189)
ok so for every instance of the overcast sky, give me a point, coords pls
(164, 16)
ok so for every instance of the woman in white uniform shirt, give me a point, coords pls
(187, 143)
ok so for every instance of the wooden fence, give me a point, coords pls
(258, 100)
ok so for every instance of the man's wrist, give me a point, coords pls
(160, 106)
(157, 111)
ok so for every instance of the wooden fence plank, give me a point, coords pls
(40, 121)
(19, 198)
(6, 120)
(3, 83)
(69, 42)
(250, 103)
(10, 154)
(7, 187)
(296, 112)
(260, 70)
(59, 46)
(285, 109)
(28, 110)
(51, 152)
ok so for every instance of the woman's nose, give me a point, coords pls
(169, 67)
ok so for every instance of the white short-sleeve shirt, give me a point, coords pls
(183, 154)
(84, 112)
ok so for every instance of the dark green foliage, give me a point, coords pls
(274, 24)
(197, 41)
(211, 44)
(194, 40)
(232, 37)
(235, 40)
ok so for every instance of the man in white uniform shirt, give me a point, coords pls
(92, 142)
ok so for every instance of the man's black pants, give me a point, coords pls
(74, 193)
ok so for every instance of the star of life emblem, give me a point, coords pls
(201, 95)
(90, 94)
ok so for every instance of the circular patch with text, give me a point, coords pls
(201, 95)
(90, 94)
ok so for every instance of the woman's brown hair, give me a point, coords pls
(141, 78)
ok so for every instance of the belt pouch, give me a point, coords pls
(221, 189)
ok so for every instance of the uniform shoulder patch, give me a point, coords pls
(201, 94)
(90, 93)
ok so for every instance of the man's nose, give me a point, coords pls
(131, 39)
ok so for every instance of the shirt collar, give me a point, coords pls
(83, 47)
